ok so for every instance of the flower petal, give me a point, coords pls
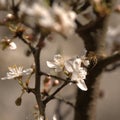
(75, 76)
(28, 71)
(7, 78)
(77, 64)
(81, 84)
(50, 64)
(4, 78)
(54, 117)
(12, 46)
(68, 66)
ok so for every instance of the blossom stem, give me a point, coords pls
(56, 77)
(27, 43)
(65, 101)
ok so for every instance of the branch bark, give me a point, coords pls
(38, 83)
(111, 59)
(93, 37)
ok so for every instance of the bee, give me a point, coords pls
(92, 57)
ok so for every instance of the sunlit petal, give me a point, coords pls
(12, 46)
(54, 117)
(81, 84)
(50, 64)
(68, 66)
(77, 64)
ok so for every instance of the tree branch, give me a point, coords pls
(113, 67)
(27, 43)
(29, 90)
(54, 93)
(111, 59)
(55, 77)
(65, 101)
(94, 40)
(36, 55)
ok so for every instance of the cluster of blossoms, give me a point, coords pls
(17, 72)
(55, 19)
(75, 68)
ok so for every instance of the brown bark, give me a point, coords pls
(93, 37)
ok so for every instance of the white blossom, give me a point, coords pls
(64, 19)
(41, 13)
(75, 66)
(57, 63)
(17, 72)
(56, 18)
(78, 72)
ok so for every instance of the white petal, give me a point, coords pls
(82, 74)
(51, 64)
(41, 118)
(28, 71)
(10, 74)
(4, 78)
(77, 64)
(75, 76)
(68, 66)
(81, 84)
(11, 69)
(7, 78)
(12, 46)
(54, 117)
(46, 22)
(20, 69)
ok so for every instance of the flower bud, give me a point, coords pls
(47, 81)
(9, 18)
(56, 82)
(18, 101)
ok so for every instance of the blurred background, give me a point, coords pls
(108, 107)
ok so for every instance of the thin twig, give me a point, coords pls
(30, 90)
(54, 93)
(113, 67)
(27, 43)
(62, 100)
(55, 77)
(111, 59)
(65, 101)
